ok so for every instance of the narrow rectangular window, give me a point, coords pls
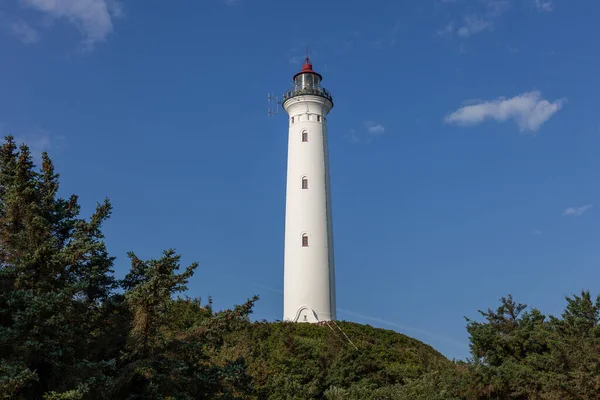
(304, 240)
(304, 183)
(305, 136)
(292, 120)
(318, 118)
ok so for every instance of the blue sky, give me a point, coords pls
(464, 143)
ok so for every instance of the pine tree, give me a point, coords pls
(522, 354)
(164, 359)
(55, 274)
(575, 345)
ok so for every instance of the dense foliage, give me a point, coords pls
(522, 354)
(70, 330)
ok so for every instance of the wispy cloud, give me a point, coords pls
(495, 8)
(378, 44)
(577, 211)
(446, 30)
(294, 59)
(353, 136)
(477, 22)
(389, 39)
(528, 110)
(405, 328)
(544, 5)
(374, 128)
(40, 140)
(24, 32)
(93, 18)
(537, 231)
(474, 24)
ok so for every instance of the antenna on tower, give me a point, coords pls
(272, 110)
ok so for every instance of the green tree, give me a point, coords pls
(575, 349)
(167, 355)
(519, 354)
(55, 273)
(503, 347)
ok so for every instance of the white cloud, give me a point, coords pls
(544, 5)
(528, 110)
(374, 128)
(477, 23)
(474, 24)
(93, 18)
(577, 211)
(24, 32)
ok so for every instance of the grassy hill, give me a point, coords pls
(306, 361)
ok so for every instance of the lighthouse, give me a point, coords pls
(309, 275)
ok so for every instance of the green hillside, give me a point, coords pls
(306, 360)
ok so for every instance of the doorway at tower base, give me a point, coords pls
(306, 314)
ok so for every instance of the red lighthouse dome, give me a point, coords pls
(307, 68)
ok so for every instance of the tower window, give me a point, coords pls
(304, 183)
(305, 240)
(304, 136)
(318, 118)
(292, 120)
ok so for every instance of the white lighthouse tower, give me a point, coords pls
(309, 276)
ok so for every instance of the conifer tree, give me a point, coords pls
(162, 359)
(575, 343)
(55, 273)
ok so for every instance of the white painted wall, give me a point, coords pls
(309, 277)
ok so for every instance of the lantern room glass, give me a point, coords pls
(307, 81)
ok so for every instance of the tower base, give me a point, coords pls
(308, 315)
